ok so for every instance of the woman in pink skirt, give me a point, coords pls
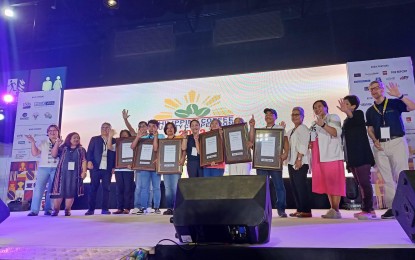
(327, 164)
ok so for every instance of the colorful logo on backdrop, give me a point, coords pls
(192, 105)
(21, 180)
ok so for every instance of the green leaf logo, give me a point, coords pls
(192, 109)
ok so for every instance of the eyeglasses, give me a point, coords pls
(105, 127)
(295, 115)
(374, 89)
(52, 131)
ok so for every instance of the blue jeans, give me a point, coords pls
(147, 177)
(170, 185)
(137, 192)
(213, 172)
(276, 177)
(44, 176)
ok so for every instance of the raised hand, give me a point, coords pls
(58, 141)
(283, 124)
(112, 133)
(342, 106)
(320, 120)
(252, 121)
(393, 89)
(30, 138)
(125, 114)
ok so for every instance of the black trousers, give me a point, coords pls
(97, 177)
(124, 181)
(194, 169)
(363, 177)
(298, 179)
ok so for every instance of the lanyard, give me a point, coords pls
(384, 110)
(105, 144)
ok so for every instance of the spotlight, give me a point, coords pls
(8, 12)
(8, 98)
(112, 4)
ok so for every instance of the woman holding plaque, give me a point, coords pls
(298, 157)
(70, 172)
(327, 158)
(239, 168)
(124, 179)
(190, 144)
(171, 179)
(357, 152)
(215, 170)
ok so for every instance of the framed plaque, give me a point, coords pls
(123, 153)
(268, 147)
(235, 138)
(211, 148)
(169, 155)
(144, 156)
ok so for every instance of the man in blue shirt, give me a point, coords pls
(147, 177)
(386, 129)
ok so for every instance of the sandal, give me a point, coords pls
(67, 213)
(54, 213)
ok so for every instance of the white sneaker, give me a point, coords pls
(371, 214)
(134, 211)
(366, 216)
(332, 214)
(150, 210)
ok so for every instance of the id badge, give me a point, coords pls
(194, 151)
(71, 166)
(313, 136)
(385, 132)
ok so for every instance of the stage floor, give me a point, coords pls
(114, 236)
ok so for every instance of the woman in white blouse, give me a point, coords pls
(298, 163)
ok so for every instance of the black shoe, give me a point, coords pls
(67, 213)
(32, 214)
(282, 214)
(106, 212)
(54, 213)
(48, 213)
(388, 214)
(89, 212)
(168, 212)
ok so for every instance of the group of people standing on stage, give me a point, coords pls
(322, 148)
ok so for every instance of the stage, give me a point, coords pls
(115, 236)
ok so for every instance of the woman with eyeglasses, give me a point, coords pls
(46, 168)
(70, 172)
(298, 163)
(215, 169)
(327, 165)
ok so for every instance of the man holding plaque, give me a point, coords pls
(149, 177)
(276, 175)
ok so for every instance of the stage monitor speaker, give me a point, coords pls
(231, 209)
(404, 203)
(4, 211)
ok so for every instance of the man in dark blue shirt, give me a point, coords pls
(386, 129)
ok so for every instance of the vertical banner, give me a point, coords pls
(396, 70)
(35, 112)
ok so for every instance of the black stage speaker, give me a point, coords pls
(4, 211)
(404, 203)
(231, 209)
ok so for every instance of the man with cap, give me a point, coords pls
(276, 175)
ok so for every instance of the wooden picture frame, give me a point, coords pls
(268, 147)
(142, 159)
(124, 155)
(211, 148)
(168, 156)
(235, 138)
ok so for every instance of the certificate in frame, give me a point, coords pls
(143, 156)
(211, 148)
(268, 147)
(124, 155)
(235, 138)
(168, 156)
